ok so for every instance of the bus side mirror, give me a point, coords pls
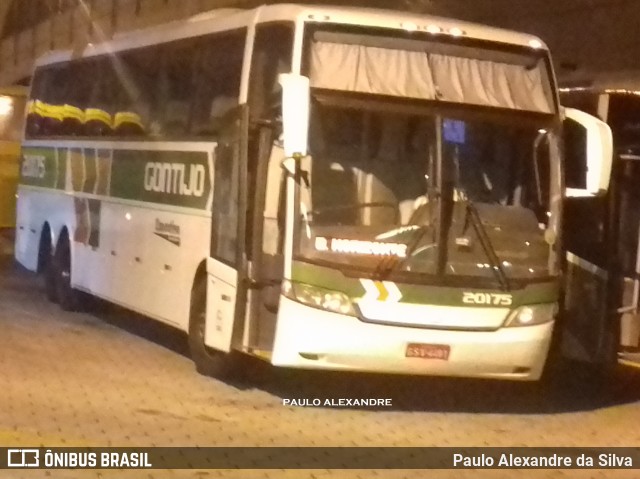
(295, 114)
(588, 150)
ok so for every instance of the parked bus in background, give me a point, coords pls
(320, 187)
(12, 108)
(603, 231)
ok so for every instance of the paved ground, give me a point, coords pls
(6, 241)
(113, 379)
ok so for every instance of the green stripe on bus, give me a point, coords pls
(168, 177)
(332, 279)
(177, 178)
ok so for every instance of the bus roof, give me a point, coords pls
(229, 19)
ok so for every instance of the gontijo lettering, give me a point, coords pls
(173, 178)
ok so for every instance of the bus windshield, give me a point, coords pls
(428, 156)
(390, 190)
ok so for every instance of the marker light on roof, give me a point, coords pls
(535, 43)
(319, 18)
(409, 26)
(434, 29)
(456, 32)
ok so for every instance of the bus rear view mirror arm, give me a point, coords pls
(290, 165)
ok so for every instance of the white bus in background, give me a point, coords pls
(320, 187)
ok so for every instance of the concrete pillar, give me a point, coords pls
(62, 31)
(102, 20)
(126, 16)
(41, 39)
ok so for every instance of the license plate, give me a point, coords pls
(428, 351)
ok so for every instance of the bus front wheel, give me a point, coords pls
(209, 362)
(46, 267)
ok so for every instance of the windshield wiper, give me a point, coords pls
(487, 246)
(417, 231)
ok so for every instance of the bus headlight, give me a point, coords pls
(532, 315)
(316, 297)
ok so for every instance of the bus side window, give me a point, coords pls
(224, 211)
(274, 207)
(76, 95)
(138, 82)
(58, 98)
(101, 99)
(216, 83)
(34, 119)
(128, 123)
(272, 51)
(57, 81)
(272, 54)
(175, 86)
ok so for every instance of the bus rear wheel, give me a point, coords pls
(69, 298)
(209, 362)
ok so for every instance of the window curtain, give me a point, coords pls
(363, 69)
(430, 76)
(486, 83)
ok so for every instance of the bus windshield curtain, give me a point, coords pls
(431, 76)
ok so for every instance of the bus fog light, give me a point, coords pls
(317, 297)
(532, 315)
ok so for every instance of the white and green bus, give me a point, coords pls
(320, 187)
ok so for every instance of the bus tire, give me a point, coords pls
(69, 298)
(50, 287)
(46, 267)
(208, 362)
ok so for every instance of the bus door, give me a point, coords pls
(266, 239)
(627, 211)
(227, 265)
(246, 264)
(272, 55)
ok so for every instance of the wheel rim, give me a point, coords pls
(200, 330)
(64, 269)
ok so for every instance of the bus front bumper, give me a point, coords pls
(315, 339)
